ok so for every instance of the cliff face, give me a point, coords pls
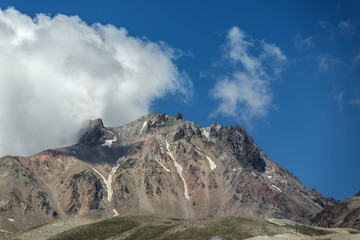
(156, 164)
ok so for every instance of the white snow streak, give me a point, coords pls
(179, 169)
(276, 188)
(108, 181)
(108, 143)
(113, 171)
(104, 179)
(143, 127)
(11, 220)
(211, 162)
(198, 148)
(168, 170)
(269, 176)
(115, 212)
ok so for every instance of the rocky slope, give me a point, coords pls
(157, 164)
(341, 214)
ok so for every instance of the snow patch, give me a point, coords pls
(108, 143)
(11, 220)
(269, 176)
(143, 127)
(211, 163)
(113, 171)
(166, 169)
(115, 212)
(276, 188)
(205, 132)
(108, 181)
(104, 179)
(179, 169)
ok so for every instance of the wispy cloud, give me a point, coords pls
(327, 27)
(355, 102)
(327, 63)
(58, 72)
(304, 43)
(339, 98)
(246, 92)
(347, 27)
(357, 57)
(324, 24)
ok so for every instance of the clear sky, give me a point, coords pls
(288, 71)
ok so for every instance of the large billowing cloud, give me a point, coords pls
(246, 92)
(56, 73)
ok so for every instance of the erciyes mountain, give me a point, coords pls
(158, 164)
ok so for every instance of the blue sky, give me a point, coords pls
(288, 71)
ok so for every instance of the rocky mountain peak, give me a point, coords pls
(179, 116)
(94, 134)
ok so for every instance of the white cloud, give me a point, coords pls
(242, 94)
(237, 50)
(58, 72)
(246, 94)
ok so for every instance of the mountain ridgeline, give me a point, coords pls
(156, 164)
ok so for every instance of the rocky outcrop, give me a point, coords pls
(94, 134)
(241, 145)
(158, 164)
(340, 214)
(321, 200)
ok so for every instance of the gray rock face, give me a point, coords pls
(157, 164)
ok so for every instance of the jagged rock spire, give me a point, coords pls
(94, 134)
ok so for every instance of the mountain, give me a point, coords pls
(157, 164)
(341, 214)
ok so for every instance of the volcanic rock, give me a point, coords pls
(157, 164)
